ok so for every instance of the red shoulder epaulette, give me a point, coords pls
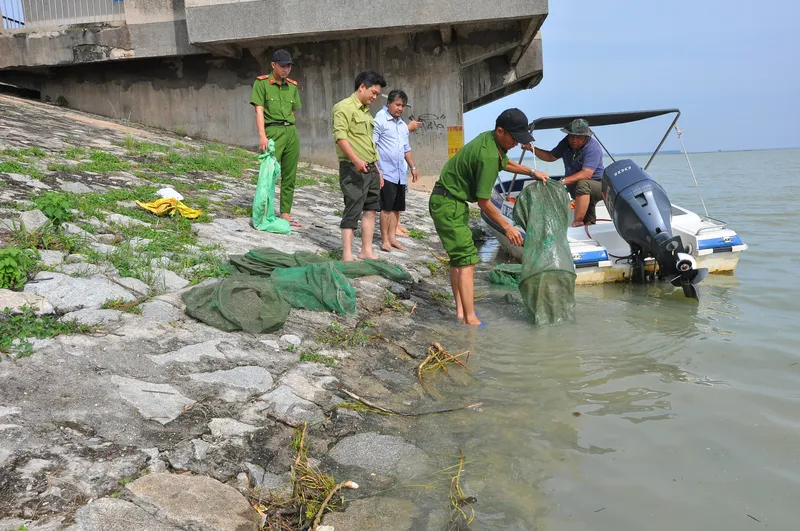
(292, 81)
(265, 76)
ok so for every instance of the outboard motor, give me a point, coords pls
(642, 215)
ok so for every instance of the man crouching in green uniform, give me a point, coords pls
(469, 177)
(276, 100)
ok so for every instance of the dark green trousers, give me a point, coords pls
(287, 153)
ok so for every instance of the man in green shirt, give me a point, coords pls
(359, 175)
(467, 178)
(276, 99)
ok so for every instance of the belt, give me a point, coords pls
(438, 190)
(287, 124)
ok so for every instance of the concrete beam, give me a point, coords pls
(86, 43)
(249, 20)
(496, 77)
(477, 43)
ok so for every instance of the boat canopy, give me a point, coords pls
(597, 120)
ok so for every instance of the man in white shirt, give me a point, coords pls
(394, 153)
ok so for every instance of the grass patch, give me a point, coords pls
(208, 186)
(392, 303)
(61, 167)
(441, 296)
(75, 153)
(26, 326)
(98, 162)
(336, 334)
(337, 213)
(123, 306)
(316, 357)
(230, 162)
(304, 181)
(134, 147)
(418, 234)
(102, 162)
(437, 267)
(333, 254)
(17, 167)
(33, 151)
(48, 238)
(240, 211)
(94, 204)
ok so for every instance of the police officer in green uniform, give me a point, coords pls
(467, 178)
(276, 99)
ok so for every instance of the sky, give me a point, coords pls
(732, 68)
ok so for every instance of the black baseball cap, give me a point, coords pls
(515, 122)
(282, 57)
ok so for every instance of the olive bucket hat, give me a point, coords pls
(578, 127)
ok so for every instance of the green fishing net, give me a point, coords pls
(272, 282)
(263, 216)
(547, 276)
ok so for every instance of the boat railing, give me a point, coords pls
(718, 224)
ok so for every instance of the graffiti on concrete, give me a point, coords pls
(431, 123)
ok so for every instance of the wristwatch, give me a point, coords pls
(413, 168)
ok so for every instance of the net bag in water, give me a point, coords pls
(264, 200)
(547, 280)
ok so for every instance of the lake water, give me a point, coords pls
(689, 414)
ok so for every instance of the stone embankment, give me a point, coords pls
(119, 411)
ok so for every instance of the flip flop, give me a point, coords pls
(479, 327)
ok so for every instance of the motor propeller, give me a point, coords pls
(688, 275)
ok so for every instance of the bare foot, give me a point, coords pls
(401, 232)
(386, 247)
(398, 245)
(348, 258)
(288, 217)
(472, 321)
(367, 256)
(577, 223)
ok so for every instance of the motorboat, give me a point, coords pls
(639, 234)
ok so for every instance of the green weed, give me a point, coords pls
(134, 147)
(418, 234)
(440, 296)
(55, 206)
(17, 167)
(75, 153)
(336, 334)
(27, 325)
(61, 167)
(15, 266)
(436, 267)
(316, 357)
(123, 306)
(102, 162)
(392, 303)
(47, 238)
(240, 211)
(304, 181)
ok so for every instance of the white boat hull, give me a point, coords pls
(599, 252)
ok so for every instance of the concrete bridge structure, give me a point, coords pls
(188, 65)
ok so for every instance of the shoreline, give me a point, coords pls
(111, 420)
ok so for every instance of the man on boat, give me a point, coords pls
(394, 156)
(583, 168)
(276, 100)
(467, 178)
